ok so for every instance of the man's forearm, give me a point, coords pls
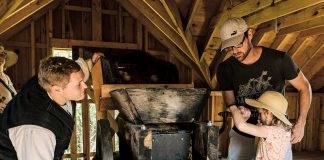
(305, 99)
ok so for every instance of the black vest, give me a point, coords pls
(33, 106)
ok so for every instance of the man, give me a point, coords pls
(248, 73)
(38, 123)
(7, 90)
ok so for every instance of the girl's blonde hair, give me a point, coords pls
(277, 122)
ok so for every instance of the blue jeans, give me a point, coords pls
(243, 148)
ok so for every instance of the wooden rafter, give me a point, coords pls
(313, 62)
(164, 26)
(22, 14)
(174, 14)
(284, 42)
(300, 46)
(65, 43)
(317, 80)
(278, 10)
(172, 31)
(317, 22)
(292, 19)
(10, 8)
(311, 32)
(192, 11)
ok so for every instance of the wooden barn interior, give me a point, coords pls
(183, 33)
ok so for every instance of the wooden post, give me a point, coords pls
(49, 31)
(33, 47)
(73, 142)
(96, 20)
(86, 128)
(139, 34)
(63, 20)
(119, 25)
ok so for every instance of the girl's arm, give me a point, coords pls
(242, 125)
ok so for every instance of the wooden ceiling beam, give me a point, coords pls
(22, 14)
(164, 26)
(173, 31)
(284, 42)
(317, 22)
(157, 7)
(292, 19)
(312, 31)
(68, 43)
(174, 14)
(23, 17)
(9, 8)
(314, 58)
(299, 47)
(162, 37)
(277, 41)
(317, 80)
(192, 12)
(267, 39)
(278, 10)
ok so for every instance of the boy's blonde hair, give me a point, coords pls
(56, 71)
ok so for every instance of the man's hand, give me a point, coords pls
(297, 132)
(246, 113)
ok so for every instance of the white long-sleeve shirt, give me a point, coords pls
(33, 142)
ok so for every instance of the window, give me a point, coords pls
(62, 52)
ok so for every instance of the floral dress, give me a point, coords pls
(275, 146)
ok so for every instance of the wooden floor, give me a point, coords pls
(308, 155)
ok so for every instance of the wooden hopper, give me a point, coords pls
(160, 105)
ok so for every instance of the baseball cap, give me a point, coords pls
(232, 32)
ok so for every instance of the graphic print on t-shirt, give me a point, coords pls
(253, 88)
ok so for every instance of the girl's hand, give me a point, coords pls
(246, 113)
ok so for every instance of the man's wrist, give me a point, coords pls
(228, 106)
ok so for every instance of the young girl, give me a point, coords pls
(274, 130)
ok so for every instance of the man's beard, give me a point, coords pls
(247, 52)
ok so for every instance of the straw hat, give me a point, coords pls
(11, 59)
(273, 101)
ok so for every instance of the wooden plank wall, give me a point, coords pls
(314, 130)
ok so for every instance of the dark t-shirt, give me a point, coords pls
(250, 81)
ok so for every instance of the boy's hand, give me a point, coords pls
(95, 57)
